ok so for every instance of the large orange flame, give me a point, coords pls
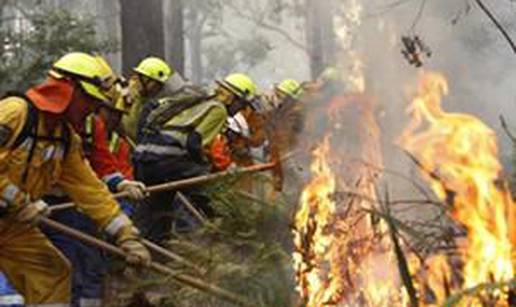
(343, 257)
(459, 155)
(311, 234)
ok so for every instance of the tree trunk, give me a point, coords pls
(109, 27)
(320, 35)
(142, 31)
(174, 38)
(196, 47)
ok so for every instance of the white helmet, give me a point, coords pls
(239, 125)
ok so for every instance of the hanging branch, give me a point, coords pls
(497, 24)
(506, 129)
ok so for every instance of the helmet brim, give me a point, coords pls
(94, 92)
(233, 90)
(143, 73)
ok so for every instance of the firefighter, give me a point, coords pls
(173, 143)
(288, 89)
(109, 151)
(40, 150)
(108, 154)
(146, 81)
(289, 108)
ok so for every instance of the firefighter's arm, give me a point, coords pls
(102, 161)
(89, 193)
(105, 164)
(13, 114)
(124, 159)
(93, 198)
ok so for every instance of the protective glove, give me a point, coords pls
(30, 212)
(128, 240)
(135, 189)
(136, 253)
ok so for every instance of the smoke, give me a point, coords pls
(465, 46)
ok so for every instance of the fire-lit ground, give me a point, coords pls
(344, 253)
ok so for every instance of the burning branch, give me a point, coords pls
(401, 259)
(450, 194)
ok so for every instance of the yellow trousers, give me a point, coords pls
(33, 265)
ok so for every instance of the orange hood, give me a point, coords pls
(53, 95)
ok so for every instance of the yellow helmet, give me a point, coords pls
(290, 87)
(93, 73)
(154, 68)
(240, 85)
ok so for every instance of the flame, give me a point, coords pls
(343, 256)
(311, 234)
(439, 277)
(458, 153)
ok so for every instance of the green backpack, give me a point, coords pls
(185, 98)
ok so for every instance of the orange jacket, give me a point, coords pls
(109, 155)
(120, 148)
(220, 154)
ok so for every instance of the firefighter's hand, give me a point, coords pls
(128, 239)
(30, 212)
(136, 253)
(135, 189)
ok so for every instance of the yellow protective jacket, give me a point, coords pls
(53, 164)
(130, 121)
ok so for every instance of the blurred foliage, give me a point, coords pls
(32, 42)
(224, 50)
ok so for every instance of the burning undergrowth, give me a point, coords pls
(343, 255)
(351, 248)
